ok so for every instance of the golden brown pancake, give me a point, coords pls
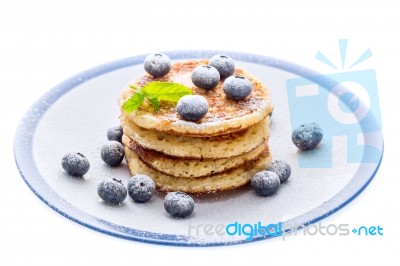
(224, 115)
(218, 182)
(215, 147)
(219, 152)
(189, 167)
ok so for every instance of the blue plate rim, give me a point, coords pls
(23, 152)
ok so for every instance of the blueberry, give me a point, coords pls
(157, 64)
(112, 191)
(115, 133)
(192, 107)
(265, 183)
(224, 64)
(237, 87)
(205, 77)
(112, 153)
(141, 188)
(282, 169)
(178, 204)
(75, 163)
(307, 136)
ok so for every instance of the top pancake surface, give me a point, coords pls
(224, 115)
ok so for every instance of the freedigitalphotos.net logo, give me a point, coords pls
(249, 231)
(343, 104)
(283, 230)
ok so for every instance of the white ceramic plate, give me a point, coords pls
(75, 115)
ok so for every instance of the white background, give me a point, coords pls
(44, 42)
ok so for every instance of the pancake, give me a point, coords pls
(187, 167)
(216, 147)
(218, 182)
(224, 115)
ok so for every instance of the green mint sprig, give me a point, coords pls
(155, 92)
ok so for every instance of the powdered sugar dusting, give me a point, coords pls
(282, 169)
(192, 107)
(221, 108)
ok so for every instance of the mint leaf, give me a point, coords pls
(133, 103)
(166, 91)
(155, 92)
(154, 102)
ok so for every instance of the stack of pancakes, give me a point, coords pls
(221, 151)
